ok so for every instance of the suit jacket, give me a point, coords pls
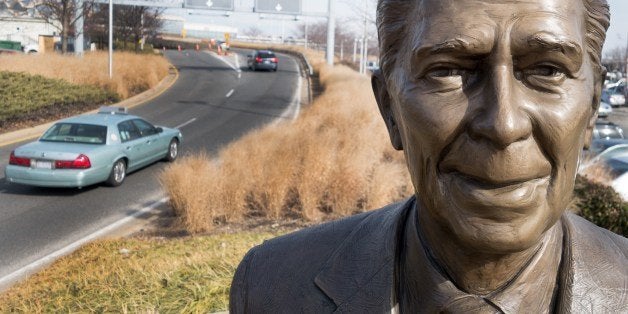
(349, 266)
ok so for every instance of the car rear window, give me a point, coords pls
(266, 55)
(76, 133)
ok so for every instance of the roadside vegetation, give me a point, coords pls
(38, 88)
(334, 160)
(32, 98)
(133, 73)
(141, 275)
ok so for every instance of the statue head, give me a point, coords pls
(492, 103)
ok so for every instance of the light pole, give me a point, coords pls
(331, 32)
(110, 39)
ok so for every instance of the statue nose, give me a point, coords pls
(501, 118)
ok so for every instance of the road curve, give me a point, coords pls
(215, 101)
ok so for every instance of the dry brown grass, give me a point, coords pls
(598, 173)
(133, 73)
(334, 160)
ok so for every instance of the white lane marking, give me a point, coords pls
(237, 69)
(292, 112)
(184, 124)
(240, 74)
(237, 62)
(48, 259)
(230, 93)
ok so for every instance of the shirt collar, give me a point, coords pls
(424, 285)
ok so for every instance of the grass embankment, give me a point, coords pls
(333, 161)
(53, 86)
(186, 275)
(33, 98)
(132, 73)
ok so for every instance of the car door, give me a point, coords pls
(150, 137)
(132, 144)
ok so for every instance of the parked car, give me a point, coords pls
(372, 66)
(615, 96)
(605, 110)
(93, 148)
(607, 130)
(263, 60)
(599, 145)
(614, 158)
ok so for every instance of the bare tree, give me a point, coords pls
(62, 14)
(132, 23)
(615, 59)
(317, 33)
(253, 31)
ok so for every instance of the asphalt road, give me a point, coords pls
(215, 100)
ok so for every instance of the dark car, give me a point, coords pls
(263, 60)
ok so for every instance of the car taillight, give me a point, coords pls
(275, 60)
(259, 60)
(19, 161)
(81, 162)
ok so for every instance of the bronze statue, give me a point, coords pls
(492, 102)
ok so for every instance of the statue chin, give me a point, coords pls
(492, 219)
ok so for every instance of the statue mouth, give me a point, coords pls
(500, 200)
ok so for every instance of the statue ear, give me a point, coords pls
(384, 103)
(597, 96)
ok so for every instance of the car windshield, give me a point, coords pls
(76, 133)
(619, 89)
(266, 55)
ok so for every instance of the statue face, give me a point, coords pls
(492, 102)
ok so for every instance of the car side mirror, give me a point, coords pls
(159, 129)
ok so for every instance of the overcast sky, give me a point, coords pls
(274, 25)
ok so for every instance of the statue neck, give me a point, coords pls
(471, 271)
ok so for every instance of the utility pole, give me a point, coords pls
(342, 50)
(364, 42)
(306, 30)
(355, 49)
(331, 31)
(79, 40)
(110, 39)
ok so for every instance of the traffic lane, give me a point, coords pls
(34, 220)
(54, 218)
(259, 98)
(197, 69)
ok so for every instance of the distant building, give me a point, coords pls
(19, 22)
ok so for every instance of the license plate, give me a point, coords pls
(41, 164)
(267, 62)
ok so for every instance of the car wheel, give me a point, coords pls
(173, 150)
(118, 173)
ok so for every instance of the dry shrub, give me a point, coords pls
(334, 160)
(598, 173)
(133, 73)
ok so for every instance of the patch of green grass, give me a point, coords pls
(27, 97)
(184, 275)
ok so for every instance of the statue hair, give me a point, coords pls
(392, 23)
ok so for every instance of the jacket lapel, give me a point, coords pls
(359, 275)
(593, 274)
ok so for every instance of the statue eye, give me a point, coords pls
(445, 72)
(544, 71)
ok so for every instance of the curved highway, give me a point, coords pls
(215, 101)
